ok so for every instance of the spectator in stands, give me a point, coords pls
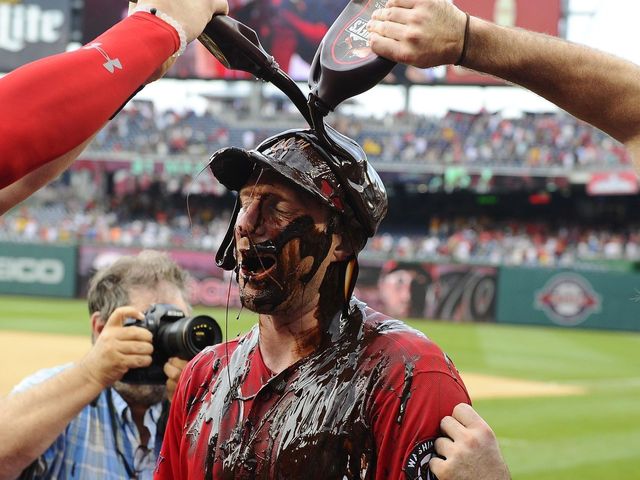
(80, 420)
(42, 130)
(55, 215)
(534, 141)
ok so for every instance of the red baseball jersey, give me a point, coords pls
(366, 405)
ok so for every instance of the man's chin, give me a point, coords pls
(141, 394)
(261, 301)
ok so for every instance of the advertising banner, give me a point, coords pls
(289, 30)
(613, 183)
(210, 285)
(100, 15)
(459, 293)
(44, 270)
(32, 29)
(607, 300)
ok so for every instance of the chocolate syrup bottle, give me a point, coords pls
(238, 47)
(344, 65)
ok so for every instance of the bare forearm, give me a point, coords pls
(596, 87)
(33, 419)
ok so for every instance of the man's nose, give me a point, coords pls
(250, 220)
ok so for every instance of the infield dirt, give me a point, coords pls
(22, 354)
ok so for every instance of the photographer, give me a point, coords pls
(80, 420)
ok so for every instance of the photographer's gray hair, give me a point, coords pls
(109, 287)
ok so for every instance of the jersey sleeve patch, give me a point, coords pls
(417, 466)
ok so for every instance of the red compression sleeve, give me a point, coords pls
(50, 106)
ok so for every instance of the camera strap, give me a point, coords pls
(161, 426)
(115, 426)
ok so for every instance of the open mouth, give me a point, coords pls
(256, 266)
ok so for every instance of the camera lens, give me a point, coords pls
(187, 337)
(202, 332)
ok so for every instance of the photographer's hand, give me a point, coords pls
(117, 348)
(172, 369)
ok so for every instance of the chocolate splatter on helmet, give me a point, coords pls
(340, 177)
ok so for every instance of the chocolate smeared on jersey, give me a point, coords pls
(312, 420)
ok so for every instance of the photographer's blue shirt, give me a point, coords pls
(101, 442)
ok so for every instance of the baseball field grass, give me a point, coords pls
(591, 435)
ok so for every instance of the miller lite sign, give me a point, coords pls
(32, 29)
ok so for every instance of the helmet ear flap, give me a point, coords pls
(350, 277)
(225, 256)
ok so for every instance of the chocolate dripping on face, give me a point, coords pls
(274, 265)
(273, 272)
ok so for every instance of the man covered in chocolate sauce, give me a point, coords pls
(323, 387)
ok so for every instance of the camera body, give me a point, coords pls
(174, 335)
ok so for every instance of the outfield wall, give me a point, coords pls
(451, 292)
(569, 298)
(38, 269)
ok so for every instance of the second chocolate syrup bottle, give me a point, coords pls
(344, 65)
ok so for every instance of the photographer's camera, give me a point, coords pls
(174, 335)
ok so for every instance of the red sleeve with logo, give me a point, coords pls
(407, 414)
(50, 106)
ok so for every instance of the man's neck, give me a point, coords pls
(286, 339)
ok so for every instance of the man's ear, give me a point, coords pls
(97, 324)
(341, 248)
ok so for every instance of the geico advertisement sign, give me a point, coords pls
(48, 271)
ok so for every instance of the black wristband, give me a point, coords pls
(465, 41)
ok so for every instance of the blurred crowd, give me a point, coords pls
(197, 223)
(188, 209)
(153, 213)
(484, 139)
(514, 242)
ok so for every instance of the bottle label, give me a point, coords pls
(351, 45)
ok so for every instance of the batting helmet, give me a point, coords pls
(343, 179)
